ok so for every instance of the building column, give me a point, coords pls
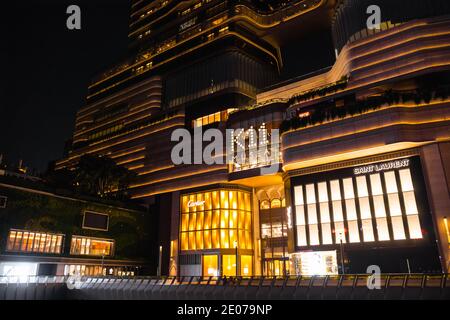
(436, 167)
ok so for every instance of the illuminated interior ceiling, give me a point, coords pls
(260, 181)
(270, 192)
(352, 155)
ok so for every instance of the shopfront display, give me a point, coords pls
(217, 224)
(314, 263)
(369, 214)
(371, 204)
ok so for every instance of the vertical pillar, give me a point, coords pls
(436, 166)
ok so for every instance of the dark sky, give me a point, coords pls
(46, 70)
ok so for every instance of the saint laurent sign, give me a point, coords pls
(382, 166)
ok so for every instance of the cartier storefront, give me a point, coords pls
(215, 232)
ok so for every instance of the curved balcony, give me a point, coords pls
(389, 128)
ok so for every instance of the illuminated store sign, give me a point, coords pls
(314, 263)
(382, 167)
(192, 204)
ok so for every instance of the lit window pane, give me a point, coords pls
(348, 188)
(337, 211)
(300, 215)
(314, 235)
(391, 182)
(298, 193)
(382, 228)
(364, 207)
(339, 232)
(415, 231)
(406, 181)
(367, 229)
(199, 239)
(312, 215)
(351, 209)
(335, 190)
(301, 236)
(361, 182)
(410, 202)
(398, 229)
(375, 182)
(310, 194)
(326, 233)
(192, 244)
(215, 239)
(394, 204)
(323, 193)
(353, 231)
(324, 213)
(378, 203)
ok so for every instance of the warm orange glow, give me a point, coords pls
(208, 223)
(446, 229)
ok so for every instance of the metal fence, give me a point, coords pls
(342, 287)
(345, 287)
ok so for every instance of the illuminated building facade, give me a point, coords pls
(363, 174)
(46, 232)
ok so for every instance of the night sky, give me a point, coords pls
(46, 69)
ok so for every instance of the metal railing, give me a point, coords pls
(344, 287)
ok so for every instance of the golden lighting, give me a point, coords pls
(446, 229)
(216, 219)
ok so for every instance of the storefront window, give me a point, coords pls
(28, 241)
(216, 220)
(364, 208)
(246, 266)
(210, 265)
(91, 246)
(229, 265)
(376, 203)
(300, 216)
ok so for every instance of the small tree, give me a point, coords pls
(101, 176)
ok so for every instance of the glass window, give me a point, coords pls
(335, 190)
(28, 241)
(339, 232)
(367, 229)
(398, 229)
(298, 194)
(391, 182)
(246, 265)
(383, 231)
(415, 231)
(314, 235)
(229, 265)
(301, 236)
(323, 191)
(410, 203)
(210, 265)
(91, 246)
(406, 180)
(310, 194)
(375, 182)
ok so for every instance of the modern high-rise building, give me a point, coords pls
(363, 161)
